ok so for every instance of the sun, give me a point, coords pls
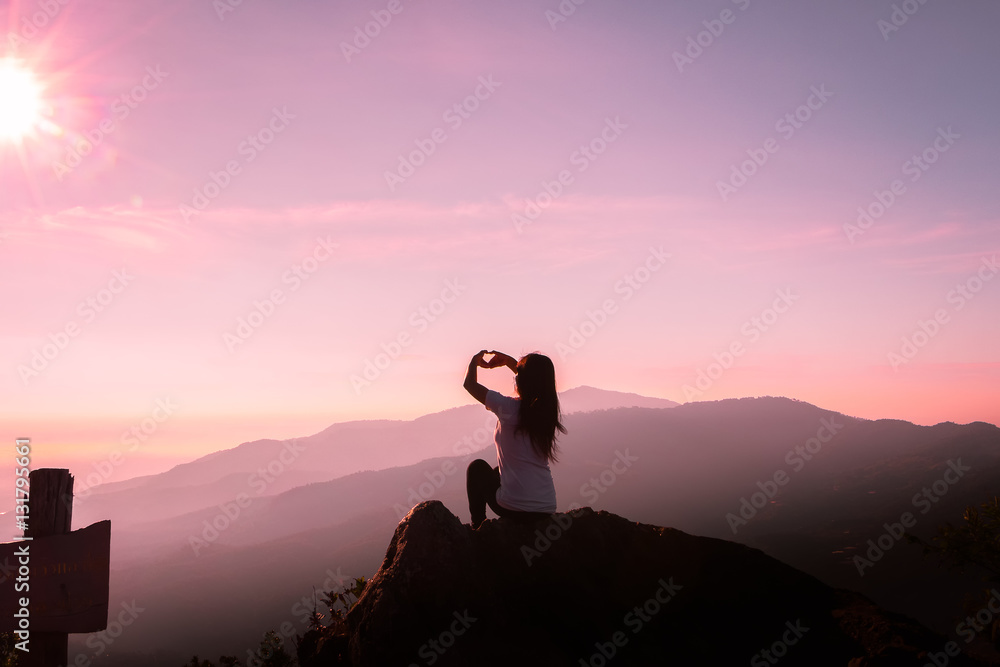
(20, 101)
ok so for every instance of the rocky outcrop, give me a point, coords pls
(592, 588)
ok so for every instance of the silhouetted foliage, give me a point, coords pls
(976, 542)
(339, 604)
(8, 654)
(327, 643)
(194, 663)
(271, 653)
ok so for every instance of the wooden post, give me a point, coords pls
(68, 570)
(48, 515)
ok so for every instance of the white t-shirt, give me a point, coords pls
(525, 478)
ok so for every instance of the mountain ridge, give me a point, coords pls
(339, 449)
(696, 461)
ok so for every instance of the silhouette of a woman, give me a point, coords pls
(520, 487)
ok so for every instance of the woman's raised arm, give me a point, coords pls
(472, 385)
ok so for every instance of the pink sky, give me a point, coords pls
(442, 239)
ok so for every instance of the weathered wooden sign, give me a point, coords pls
(66, 577)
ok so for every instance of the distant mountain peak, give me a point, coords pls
(586, 398)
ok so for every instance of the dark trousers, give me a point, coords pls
(481, 482)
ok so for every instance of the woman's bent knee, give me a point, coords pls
(478, 466)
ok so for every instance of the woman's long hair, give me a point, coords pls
(539, 414)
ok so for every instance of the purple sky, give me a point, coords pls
(676, 261)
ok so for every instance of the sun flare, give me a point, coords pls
(20, 100)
